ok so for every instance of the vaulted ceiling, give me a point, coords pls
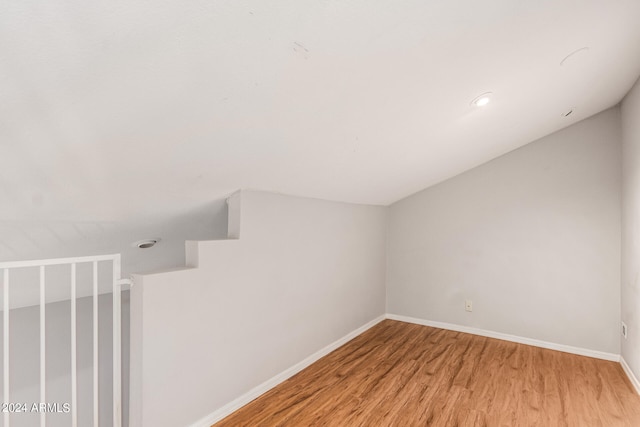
(126, 112)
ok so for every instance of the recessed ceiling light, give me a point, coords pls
(145, 244)
(482, 100)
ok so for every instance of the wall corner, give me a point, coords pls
(233, 221)
(136, 395)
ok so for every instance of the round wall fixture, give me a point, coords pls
(482, 100)
(145, 244)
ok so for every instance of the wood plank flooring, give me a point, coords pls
(401, 374)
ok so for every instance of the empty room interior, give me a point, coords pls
(320, 213)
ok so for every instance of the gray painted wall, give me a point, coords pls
(303, 274)
(631, 228)
(533, 238)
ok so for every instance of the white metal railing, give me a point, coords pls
(116, 307)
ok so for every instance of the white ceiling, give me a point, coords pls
(125, 110)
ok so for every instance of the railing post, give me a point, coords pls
(117, 334)
(96, 376)
(117, 358)
(74, 354)
(5, 344)
(43, 350)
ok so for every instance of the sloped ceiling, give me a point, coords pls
(122, 111)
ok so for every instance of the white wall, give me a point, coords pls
(631, 228)
(532, 237)
(303, 274)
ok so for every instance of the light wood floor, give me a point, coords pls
(400, 374)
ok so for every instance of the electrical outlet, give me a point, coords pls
(624, 330)
(468, 305)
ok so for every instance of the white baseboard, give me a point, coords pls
(627, 370)
(506, 337)
(255, 392)
(252, 394)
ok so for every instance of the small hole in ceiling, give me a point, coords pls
(567, 114)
